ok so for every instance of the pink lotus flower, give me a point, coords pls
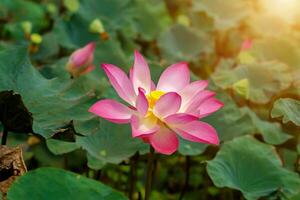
(81, 60)
(159, 114)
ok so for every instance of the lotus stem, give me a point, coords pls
(149, 173)
(4, 136)
(133, 168)
(187, 176)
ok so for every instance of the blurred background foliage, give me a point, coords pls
(259, 125)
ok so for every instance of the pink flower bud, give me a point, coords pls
(81, 60)
(247, 44)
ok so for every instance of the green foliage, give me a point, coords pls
(177, 43)
(108, 142)
(49, 183)
(280, 49)
(226, 16)
(23, 11)
(51, 102)
(265, 79)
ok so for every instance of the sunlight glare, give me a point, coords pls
(286, 9)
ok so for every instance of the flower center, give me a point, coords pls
(153, 97)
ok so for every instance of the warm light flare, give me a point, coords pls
(286, 9)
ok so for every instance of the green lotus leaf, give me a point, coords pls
(278, 49)
(225, 15)
(254, 168)
(151, 12)
(48, 48)
(95, 163)
(184, 43)
(53, 103)
(266, 79)
(51, 183)
(108, 142)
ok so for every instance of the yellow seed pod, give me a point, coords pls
(242, 88)
(72, 5)
(36, 38)
(246, 58)
(156, 94)
(153, 97)
(183, 20)
(96, 26)
(26, 26)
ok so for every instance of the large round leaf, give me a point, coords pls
(226, 15)
(53, 103)
(281, 49)
(51, 183)
(150, 12)
(265, 78)
(113, 13)
(109, 142)
(253, 168)
(184, 43)
(73, 33)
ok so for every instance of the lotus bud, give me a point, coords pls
(72, 5)
(245, 56)
(81, 60)
(96, 26)
(247, 44)
(36, 38)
